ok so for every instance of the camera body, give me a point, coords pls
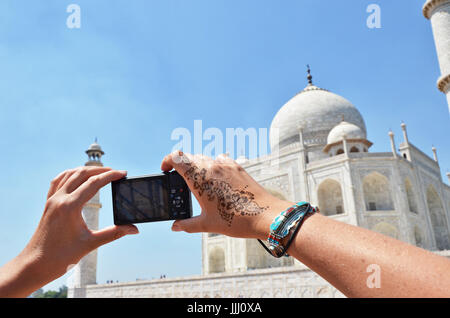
(158, 197)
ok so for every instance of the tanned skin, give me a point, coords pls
(62, 237)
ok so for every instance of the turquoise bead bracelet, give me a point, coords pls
(282, 225)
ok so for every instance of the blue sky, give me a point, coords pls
(136, 70)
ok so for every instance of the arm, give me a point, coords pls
(62, 237)
(342, 253)
(234, 204)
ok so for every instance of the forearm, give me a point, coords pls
(17, 279)
(346, 256)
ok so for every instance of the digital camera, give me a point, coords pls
(159, 197)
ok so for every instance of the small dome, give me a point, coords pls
(95, 147)
(349, 130)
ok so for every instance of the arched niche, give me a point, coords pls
(377, 193)
(216, 260)
(330, 197)
(411, 197)
(354, 149)
(419, 238)
(437, 217)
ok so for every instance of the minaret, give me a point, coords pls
(435, 157)
(405, 133)
(404, 146)
(394, 149)
(438, 12)
(85, 272)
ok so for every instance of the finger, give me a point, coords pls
(88, 189)
(65, 178)
(80, 176)
(176, 160)
(55, 183)
(191, 225)
(225, 159)
(112, 233)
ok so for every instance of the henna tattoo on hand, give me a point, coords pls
(230, 202)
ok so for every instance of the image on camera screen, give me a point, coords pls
(141, 200)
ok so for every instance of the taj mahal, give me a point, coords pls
(320, 153)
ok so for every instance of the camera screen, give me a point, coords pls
(140, 200)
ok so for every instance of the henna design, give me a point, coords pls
(230, 202)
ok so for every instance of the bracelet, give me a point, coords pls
(289, 221)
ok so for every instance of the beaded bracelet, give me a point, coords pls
(290, 219)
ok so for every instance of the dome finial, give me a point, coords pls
(309, 75)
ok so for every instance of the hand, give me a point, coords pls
(232, 202)
(62, 237)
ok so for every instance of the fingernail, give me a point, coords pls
(132, 230)
(123, 172)
(176, 228)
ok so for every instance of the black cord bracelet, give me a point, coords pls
(278, 250)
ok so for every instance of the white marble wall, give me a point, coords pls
(293, 281)
(277, 282)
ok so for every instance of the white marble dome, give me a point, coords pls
(95, 147)
(316, 111)
(349, 130)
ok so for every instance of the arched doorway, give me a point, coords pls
(411, 197)
(437, 217)
(418, 236)
(377, 194)
(216, 260)
(330, 197)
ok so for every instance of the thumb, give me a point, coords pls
(191, 225)
(113, 233)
